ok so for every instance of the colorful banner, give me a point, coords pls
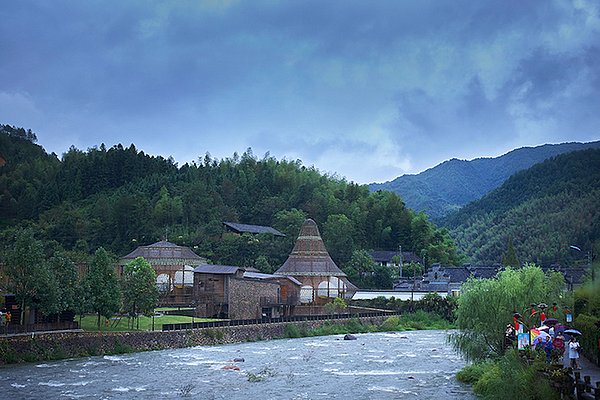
(523, 340)
(569, 317)
(534, 332)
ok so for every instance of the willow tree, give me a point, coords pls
(486, 306)
(140, 293)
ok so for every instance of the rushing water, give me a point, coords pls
(406, 365)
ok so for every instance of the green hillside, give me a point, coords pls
(544, 210)
(452, 184)
(119, 198)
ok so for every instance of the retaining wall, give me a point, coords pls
(59, 345)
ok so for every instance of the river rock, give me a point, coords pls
(349, 337)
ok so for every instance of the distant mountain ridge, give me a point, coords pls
(454, 183)
(544, 210)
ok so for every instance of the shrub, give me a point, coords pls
(508, 378)
(390, 324)
(588, 325)
(291, 331)
(473, 372)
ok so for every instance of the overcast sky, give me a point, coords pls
(367, 90)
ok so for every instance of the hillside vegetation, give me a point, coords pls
(544, 210)
(119, 198)
(450, 185)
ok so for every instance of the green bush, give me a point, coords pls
(590, 336)
(120, 348)
(291, 331)
(390, 324)
(473, 372)
(508, 378)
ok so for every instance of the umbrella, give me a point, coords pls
(543, 328)
(540, 338)
(572, 332)
(551, 321)
(559, 328)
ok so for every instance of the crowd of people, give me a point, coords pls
(550, 340)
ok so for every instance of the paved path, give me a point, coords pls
(587, 368)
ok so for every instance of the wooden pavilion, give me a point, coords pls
(311, 264)
(174, 266)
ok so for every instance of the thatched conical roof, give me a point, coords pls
(309, 257)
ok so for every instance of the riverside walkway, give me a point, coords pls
(587, 369)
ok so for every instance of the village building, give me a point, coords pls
(223, 291)
(447, 280)
(394, 258)
(251, 229)
(174, 267)
(311, 264)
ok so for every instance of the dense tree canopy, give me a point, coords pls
(543, 210)
(119, 198)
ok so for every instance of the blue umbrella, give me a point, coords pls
(572, 332)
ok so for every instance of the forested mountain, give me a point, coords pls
(452, 184)
(543, 210)
(119, 198)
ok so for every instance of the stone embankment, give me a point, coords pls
(51, 346)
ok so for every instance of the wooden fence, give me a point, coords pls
(47, 326)
(295, 318)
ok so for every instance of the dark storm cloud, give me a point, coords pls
(399, 86)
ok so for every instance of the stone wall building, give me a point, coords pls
(223, 291)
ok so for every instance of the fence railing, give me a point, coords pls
(295, 318)
(48, 326)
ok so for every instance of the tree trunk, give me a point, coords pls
(22, 311)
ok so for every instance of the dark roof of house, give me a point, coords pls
(216, 269)
(386, 256)
(165, 250)
(254, 229)
(309, 256)
(457, 274)
(232, 270)
(258, 275)
(574, 275)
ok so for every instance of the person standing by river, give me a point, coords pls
(574, 353)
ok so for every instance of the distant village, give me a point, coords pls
(307, 280)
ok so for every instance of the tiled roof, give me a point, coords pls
(258, 275)
(216, 269)
(254, 229)
(165, 250)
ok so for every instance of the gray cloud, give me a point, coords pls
(367, 90)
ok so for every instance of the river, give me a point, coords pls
(403, 365)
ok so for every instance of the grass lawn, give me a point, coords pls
(116, 324)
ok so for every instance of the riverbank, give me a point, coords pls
(56, 346)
